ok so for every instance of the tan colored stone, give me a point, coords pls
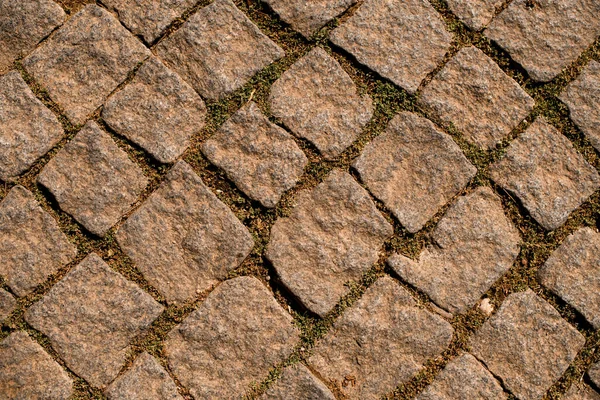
(7, 304)
(546, 173)
(545, 36)
(581, 391)
(148, 18)
(157, 110)
(414, 168)
(573, 273)
(582, 96)
(146, 379)
(28, 372)
(527, 344)
(28, 130)
(316, 99)
(85, 60)
(23, 24)
(594, 374)
(476, 14)
(93, 179)
(218, 50)
(402, 41)
(475, 96)
(474, 244)
(380, 342)
(262, 159)
(91, 316)
(231, 340)
(32, 246)
(464, 378)
(298, 383)
(332, 236)
(183, 238)
(307, 17)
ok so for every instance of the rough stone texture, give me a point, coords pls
(594, 374)
(573, 273)
(582, 96)
(316, 99)
(473, 246)
(385, 324)
(464, 378)
(218, 50)
(545, 36)
(298, 383)
(307, 17)
(23, 24)
(157, 110)
(28, 372)
(148, 18)
(7, 304)
(146, 379)
(332, 236)
(403, 41)
(32, 246)
(85, 60)
(581, 391)
(546, 173)
(261, 158)
(93, 179)
(28, 130)
(476, 14)
(527, 344)
(475, 96)
(231, 340)
(414, 168)
(183, 238)
(91, 317)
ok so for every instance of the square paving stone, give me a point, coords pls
(332, 236)
(527, 344)
(262, 159)
(23, 24)
(546, 173)
(474, 244)
(414, 168)
(307, 17)
(581, 391)
(157, 110)
(316, 99)
(594, 374)
(146, 379)
(91, 316)
(93, 179)
(573, 273)
(236, 336)
(380, 342)
(183, 238)
(7, 304)
(476, 14)
(298, 383)
(218, 50)
(464, 378)
(402, 41)
(28, 129)
(582, 96)
(475, 96)
(546, 36)
(148, 18)
(32, 246)
(85, 60)
(28, 372)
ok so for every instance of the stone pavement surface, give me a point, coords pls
(290, 199)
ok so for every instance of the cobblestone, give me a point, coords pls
(91, 316)
(594, 374)
(317, 100)
(476, 14)
(297, 382)
(7, 304)
(581, 392)
(261, 158)
(332, 236)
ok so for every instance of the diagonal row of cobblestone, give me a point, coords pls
(81, 96)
